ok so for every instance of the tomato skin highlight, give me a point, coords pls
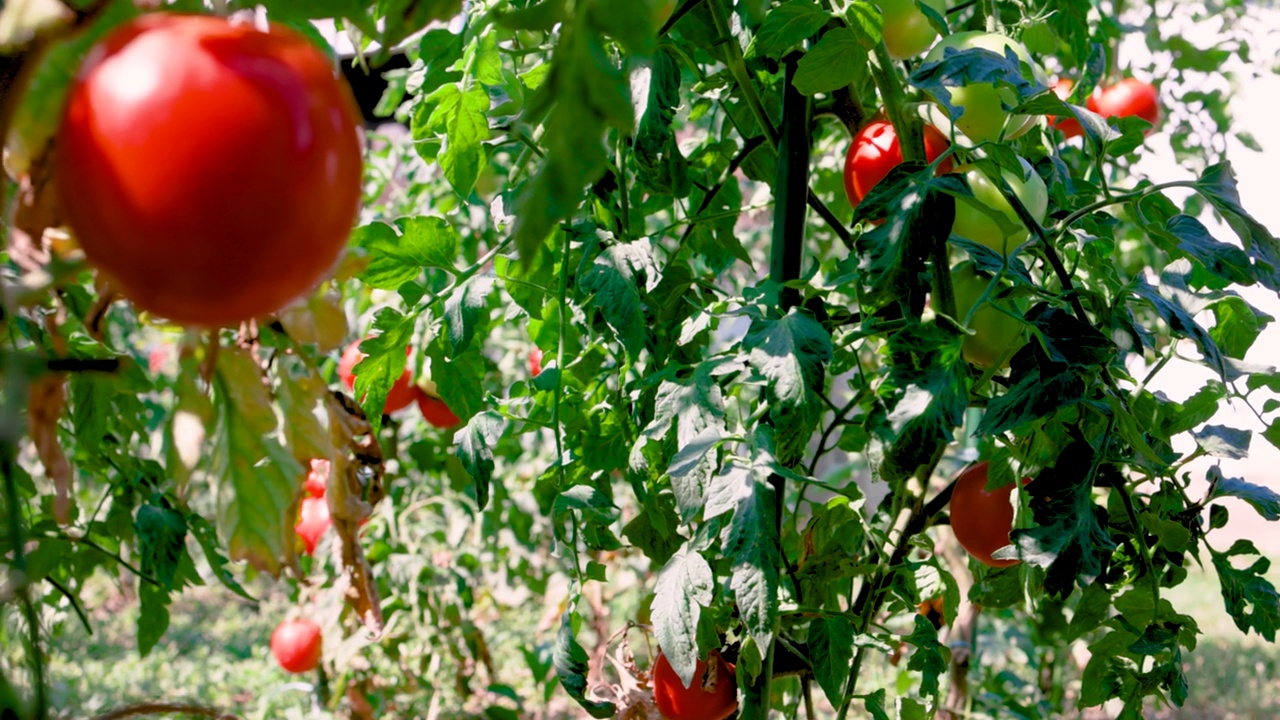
(1130, 97)
(907, 31)
(297, 645)
(210, 170)
(705, 699)
(402, 393)
(876, 150)
(982, 519)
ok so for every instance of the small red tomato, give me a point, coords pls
(402, 392)
(1130, 97)
(1068, 126)
(313, 523)
(297, 645)
(317, 478)
(982, 519)
(875, 151)
(158, 358)
(210, 169)
(535, 362)
(713, 695)
(435, 411)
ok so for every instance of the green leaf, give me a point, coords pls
(973, 66)
(750, 541)
(1218, 184)
(570, 661)
(466, 311)
(655, 529)
(661, 165)
(1250, 599)
(207, 536)
(787, 25)
(836, 61)
(384, 362)
(930, 658)
(257, 478)
(831, 652)
(1223, 442)
(1237, 324)
(161, 534)
(153, 616)
(1069, 539)
(476, 442)
(1263, 499)
(1177, 307)
(874, 703)
(684, 588)
(791, 353)
(395, 260)
(459, 379)
(614, 281)
(90, 409)
(928, 366)
(1222, 259)
(461, 116)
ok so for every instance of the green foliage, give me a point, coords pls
(734, 441)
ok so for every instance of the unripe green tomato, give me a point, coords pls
(974, 220)
(995, 335)
(907, 31)
(984, 115)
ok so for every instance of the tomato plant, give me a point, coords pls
(875, 151)
(751, 429)
(297, 645)
(1130, 97)
(252, 172)
(907, 32)
(983, 106)
(1068, 126)
(402, 393)
(980, 518)
(713, 694)
(988, 217)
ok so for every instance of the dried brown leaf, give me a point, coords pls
(45, 402)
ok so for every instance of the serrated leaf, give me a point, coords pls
(475, 449)
(466, 311)
(570, 662)
(836, 61)
(1237, 324)
(1218, 184)
(386, 356)
(787, 25)
(460, 115)
(684, 588)
(153, 616)
(161, 534)
(1177, 307)
(831, 652)
(749, 540)
(207, 537)
(614, 282)
(1263, 499)
(1250, 599)
(1222, 259)
(930, 658)
(1224, 442)
(662, 167)
(300, 399)
(791, 353)
(394, 260)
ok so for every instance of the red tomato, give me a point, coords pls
(1069, 126)
(317, 478)
(402, 392)
(314, 523)
(713, 695)
(535, 362)
(875, 151)
(435, 411)
(297, 645)
(1127, 98)
(211, 170)
(982, 519)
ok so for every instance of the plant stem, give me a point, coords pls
(18, 576)
(738, 66)
(909, 129)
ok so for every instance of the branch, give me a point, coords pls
(163, 708)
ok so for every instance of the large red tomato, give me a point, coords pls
(713, 695)
(209, 169)
(313, 523)
(1127, 98)
(875, 151)
(297, 645)
(982, 519)
(435, 411)
(402, 392)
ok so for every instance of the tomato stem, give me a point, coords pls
(738, 67)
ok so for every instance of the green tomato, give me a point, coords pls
(988, 218)
(907, 31)
(984, 115)
(996, 335)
